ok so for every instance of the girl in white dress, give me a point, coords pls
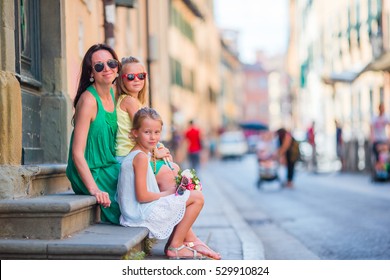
(140, 200)
(132, 87)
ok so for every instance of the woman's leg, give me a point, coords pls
(290, 172)
(194, 206)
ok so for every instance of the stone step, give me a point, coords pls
(47, 217)
(97, 242)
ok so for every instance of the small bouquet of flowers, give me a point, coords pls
(187, 180)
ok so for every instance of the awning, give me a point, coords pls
(253, 126)
(341, 77)
(382, 63)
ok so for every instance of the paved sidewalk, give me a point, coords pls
(221, 226)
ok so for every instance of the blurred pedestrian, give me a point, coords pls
(339, 144)
(287, 152)
(311, 139)
(379, 132)
(212, 144)
(194, 140)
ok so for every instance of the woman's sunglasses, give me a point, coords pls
(131, 76)
(112, 63)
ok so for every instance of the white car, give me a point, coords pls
(232, 144)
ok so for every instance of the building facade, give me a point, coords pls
(336, 58)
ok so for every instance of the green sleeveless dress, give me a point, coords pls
(100, 157)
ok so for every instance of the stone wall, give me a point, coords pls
(53, 115)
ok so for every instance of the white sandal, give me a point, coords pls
(195, 256)
(208, 252)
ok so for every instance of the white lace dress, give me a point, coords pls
(159, 216)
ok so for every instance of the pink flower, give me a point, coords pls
(187, 180)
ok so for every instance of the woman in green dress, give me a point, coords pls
(92, 168)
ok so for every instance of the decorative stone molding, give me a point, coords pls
(32, 180)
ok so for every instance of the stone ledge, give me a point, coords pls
(99, 241)
(47, 179)
(48, 169)
(47, 217)
(54, 203)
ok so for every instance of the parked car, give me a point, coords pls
(232, 144)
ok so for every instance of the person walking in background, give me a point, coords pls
(194, 141)
(339, 144)
(311, 139)
(165, 213)
(92, 168)
(287, 152)
(212, 144)
(379, 132)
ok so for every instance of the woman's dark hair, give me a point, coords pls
(86, 68)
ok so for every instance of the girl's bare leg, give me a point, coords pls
(194, 242)
(194, 206)
(190, 236)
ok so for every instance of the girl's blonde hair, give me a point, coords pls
(120, 84)
(144, 113)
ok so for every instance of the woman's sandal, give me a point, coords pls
(195, 256)
(209, 253)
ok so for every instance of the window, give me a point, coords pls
(28, 42)
(126, 3)
(182, 24)
(176, 72)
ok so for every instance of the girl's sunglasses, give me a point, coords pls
(131, 76)
(112, 63)
(180, 190)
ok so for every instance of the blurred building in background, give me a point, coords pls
(231, 81)
(256, 99)
(280, 99)
(339, 66)
(266, 96)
